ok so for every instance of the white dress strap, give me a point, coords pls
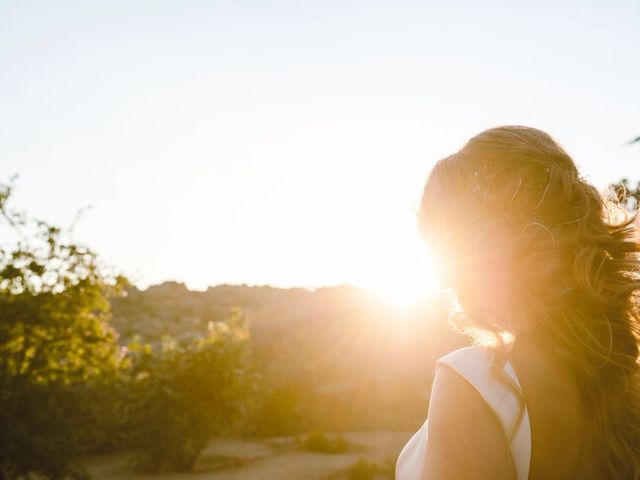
(474, 364)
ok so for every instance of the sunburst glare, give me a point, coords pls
(407, 279)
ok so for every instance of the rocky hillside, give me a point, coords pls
(347, 353)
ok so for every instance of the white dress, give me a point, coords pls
(474, 364)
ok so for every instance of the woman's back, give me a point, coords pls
(563, 437)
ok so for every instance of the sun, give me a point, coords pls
(406, 280)
(401, 296)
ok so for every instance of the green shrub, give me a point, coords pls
(179, 396)
(317, 441)
(275, 411)
(54, 341)
(364, 469)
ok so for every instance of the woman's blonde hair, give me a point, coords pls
(574, 265)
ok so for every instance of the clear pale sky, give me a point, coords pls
(286, 143)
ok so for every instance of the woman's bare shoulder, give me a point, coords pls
(466, 439)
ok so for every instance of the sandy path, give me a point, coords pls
(272, 458)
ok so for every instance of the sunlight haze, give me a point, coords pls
(286, 143)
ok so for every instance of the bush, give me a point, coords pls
(364, 469)
(54, 339)
(179, 396)
(319, 442)
(67, 388)
(275, 411)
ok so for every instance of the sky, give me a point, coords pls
(286, 142)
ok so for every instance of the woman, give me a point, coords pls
(547, 273)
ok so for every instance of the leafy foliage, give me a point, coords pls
(181, 395)
(275, 411)
(66, 387)
(54, 336)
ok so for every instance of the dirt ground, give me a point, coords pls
(266, 459)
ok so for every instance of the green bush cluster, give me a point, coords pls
(176, 398)
(67, 387)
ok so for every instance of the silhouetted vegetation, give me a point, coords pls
(56, 346)
(176, 398)
(317, 441)
(67, 387)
